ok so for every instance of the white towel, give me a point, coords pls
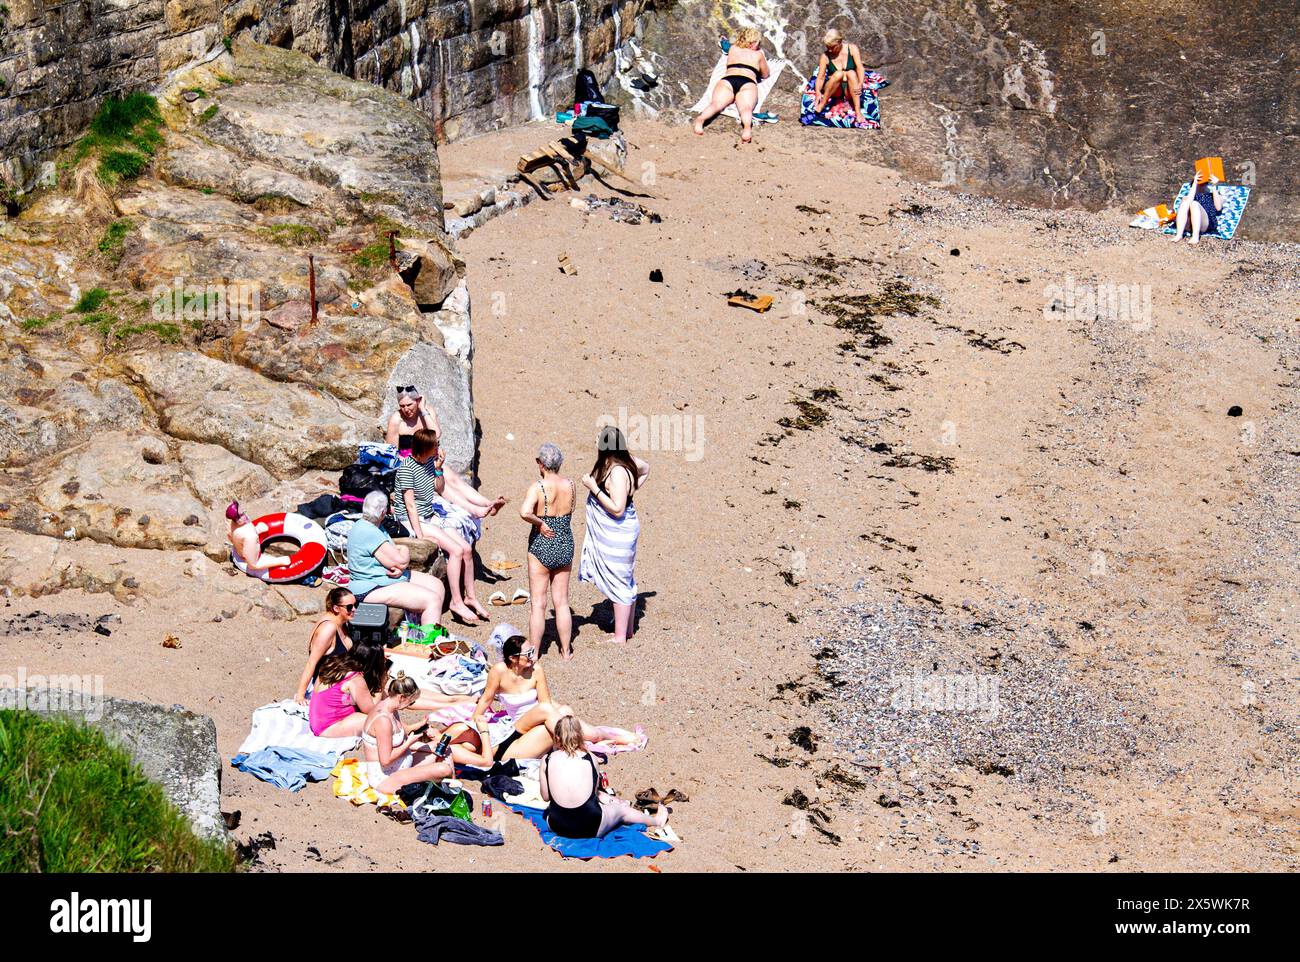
(776, 65)
(284, 724)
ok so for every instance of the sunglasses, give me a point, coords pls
(409, 387)
(351, 607)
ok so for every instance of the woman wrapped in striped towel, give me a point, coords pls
(609, 547)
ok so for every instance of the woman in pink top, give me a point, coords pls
(340, 700)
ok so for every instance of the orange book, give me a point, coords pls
(1208, 167)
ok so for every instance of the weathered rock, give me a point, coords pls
(173, 747)
(125, 490)
(1041, 103)
(430, 268)
(445, 383)
(36, 566)
(216, 476)
(286, 428)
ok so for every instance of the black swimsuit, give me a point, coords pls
(555, 552)
(581, 822)
(739, 82)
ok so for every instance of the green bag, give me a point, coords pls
(421, 634)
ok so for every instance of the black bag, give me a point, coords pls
(585, 88)
(358, 480)
(605, 112)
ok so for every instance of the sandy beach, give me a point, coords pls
(957, 480)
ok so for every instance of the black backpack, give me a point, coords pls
(585, 88)
(358, 480)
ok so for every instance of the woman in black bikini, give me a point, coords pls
(746, 66)
(571, 784)
(839, 74)
(550, 548)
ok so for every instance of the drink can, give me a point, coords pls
(604, 781)
(487, 808)
(444, 747)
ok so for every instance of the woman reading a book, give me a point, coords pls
(1200, 208)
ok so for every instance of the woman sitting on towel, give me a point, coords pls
(246, 543)
(329, 637)
(341, 698)
(840, 73)
(418, 505)
(1200, 208)
(518, 684)
(412, 415)
(394, 757)
(379, 571)
(746, 67)
(570, 782)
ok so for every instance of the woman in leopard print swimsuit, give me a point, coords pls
(550, 548)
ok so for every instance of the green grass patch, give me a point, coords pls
(293, 235)
(71, 802)
(375, 254)
(197, 91)
(225, 80)
(91, 300)
(113, 239)
(125, 134)
(37, 322)
(208, 114)
(165, 331)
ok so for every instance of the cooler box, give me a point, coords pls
(370, 625)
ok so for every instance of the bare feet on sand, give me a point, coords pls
(698, 127)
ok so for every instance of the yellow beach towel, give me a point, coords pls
(352, 783)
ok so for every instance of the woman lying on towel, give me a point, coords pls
(1200, 208)
(839, 74)
(746, 66)
(518, 684)
(571, 784)
(412, 415)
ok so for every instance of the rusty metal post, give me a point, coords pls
(311, 284)
(392, 249)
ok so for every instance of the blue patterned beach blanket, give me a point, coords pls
(1234, 205)
(838, 113)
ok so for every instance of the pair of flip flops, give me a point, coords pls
(520, 597)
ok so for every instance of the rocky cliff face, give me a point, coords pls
(470, 66)
(1090, 103)
(157, 354)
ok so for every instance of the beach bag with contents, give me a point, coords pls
(437, 799)
(586, 89)
(605, 112)
(358, 480)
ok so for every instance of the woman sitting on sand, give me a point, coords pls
(609, 548)
(1200, 208)
(246, 544)
(418, 505)
(341, 698)
(570, 782)
(328, 637)
(393, 757)
(412, 415)
(518, 684)
(380, 571)
(840, 73)
(550, 548)
(746, 66)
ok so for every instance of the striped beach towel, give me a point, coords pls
(1228, 219)
(284, 724)
(609, 552)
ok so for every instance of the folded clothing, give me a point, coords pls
(290, 768)
(352, 782)
(435, 828)
(624, 840)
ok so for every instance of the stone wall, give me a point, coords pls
(472, 64)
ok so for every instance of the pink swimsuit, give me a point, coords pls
(330, 705)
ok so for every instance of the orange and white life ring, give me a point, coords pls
(311, 551)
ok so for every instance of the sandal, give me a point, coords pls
(520, 597)
(498, 598)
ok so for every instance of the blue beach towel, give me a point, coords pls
(290, 768)
(624, 840)
(1234, 205)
